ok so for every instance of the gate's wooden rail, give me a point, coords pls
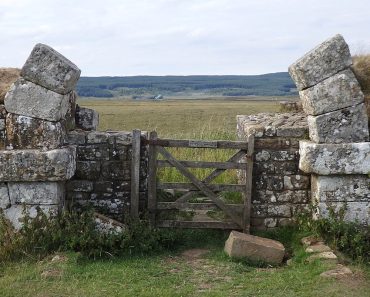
(238, 213)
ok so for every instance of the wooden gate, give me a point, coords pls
(238, 214)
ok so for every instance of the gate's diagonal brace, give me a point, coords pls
(201, 186)
(215, 173)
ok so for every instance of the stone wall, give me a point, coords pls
(34, 161)
(280, 189)
(50, 151)
(103, 172)
(338, 153)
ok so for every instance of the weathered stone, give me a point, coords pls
(289, 196)
(326, 159)
(93, 152)
(106, 205)
(259, 210)
(296, 182)
(286, 167)
(28, 99)
(326, 256)
(276, 143)
(350, 188)
(270, 222)
(95, 137)
(36, 193)
(86, 118)
(240, 245)
(114, 170)
(296, 131)
(120, 152)
(76, 137)
(120, 138)
(15, 213)
(272, 124)
(2, 124)
(339, 271)
(279, 210)
(323, 61)
(27, 133)
(70, 118)
(349, 124)
(48, 68)
(89, 170)
(4, 196)
(262, 156)
(334, 93)
(80, 185)
(36, 165)
(353, 211)
(317, 248)
(274, 183)
(283, 155)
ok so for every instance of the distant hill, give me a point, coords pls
(272, 84)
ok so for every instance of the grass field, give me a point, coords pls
(177, 118)
(199, 268)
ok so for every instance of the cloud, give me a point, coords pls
(121, 37)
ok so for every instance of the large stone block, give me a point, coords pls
(4, 196)
(48, 68)
(86, 118)
(353, 211)
(349, 124)
(16, 213)
(336, 92)
(36, 165)
(240, 245)
(328, 159)
(323, 61)
(27, 133)
(36, 193)
(340, 188)
(28, 99)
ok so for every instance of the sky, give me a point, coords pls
(179, 37)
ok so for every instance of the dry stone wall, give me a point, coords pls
(280, 188)
(338, 153)
(103, 171)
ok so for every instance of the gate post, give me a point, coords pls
(135, 174)
(248, 184)
(152, 179)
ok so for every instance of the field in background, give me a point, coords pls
(194, 119)
(207, 119)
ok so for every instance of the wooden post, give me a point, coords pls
(248, 184)
(135, 174)
(152, 179)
